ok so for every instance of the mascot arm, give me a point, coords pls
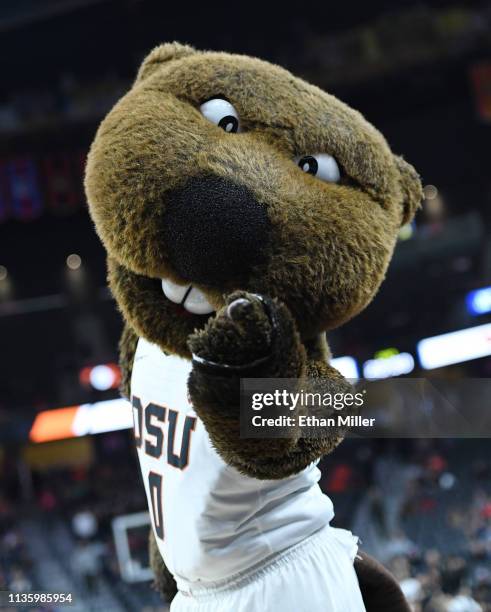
(263, 333)
(127, 350)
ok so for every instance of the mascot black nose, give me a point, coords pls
(214, 230)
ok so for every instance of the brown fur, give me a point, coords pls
(164, 581)
(380, 590)
(216, 399)
(329, 248)
(127, 349)
(332, 242)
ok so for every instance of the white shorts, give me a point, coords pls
(316, 575)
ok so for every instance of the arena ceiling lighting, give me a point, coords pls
(430, 192)
(73, 261)
(112, 415)
(101, 377)
(83, 420)
(455, 347)
(388, 366)
(347, 366)
(479, 301)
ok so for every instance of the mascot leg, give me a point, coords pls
(379, 589)
(164, 581)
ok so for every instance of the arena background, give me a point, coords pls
(421, 72)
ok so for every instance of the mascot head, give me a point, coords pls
(219, 172)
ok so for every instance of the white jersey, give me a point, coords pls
(210, 521)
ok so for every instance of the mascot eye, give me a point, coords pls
(321, 165)
(221, 113)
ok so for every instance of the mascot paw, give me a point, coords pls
(251, 335)
(239, 337)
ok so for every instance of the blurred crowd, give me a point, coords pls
(70, 101)
(424, 509)
(15, 562)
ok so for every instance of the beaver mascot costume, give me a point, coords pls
(245, 213)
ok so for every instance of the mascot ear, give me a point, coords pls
(160, 55)
(411, 187)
